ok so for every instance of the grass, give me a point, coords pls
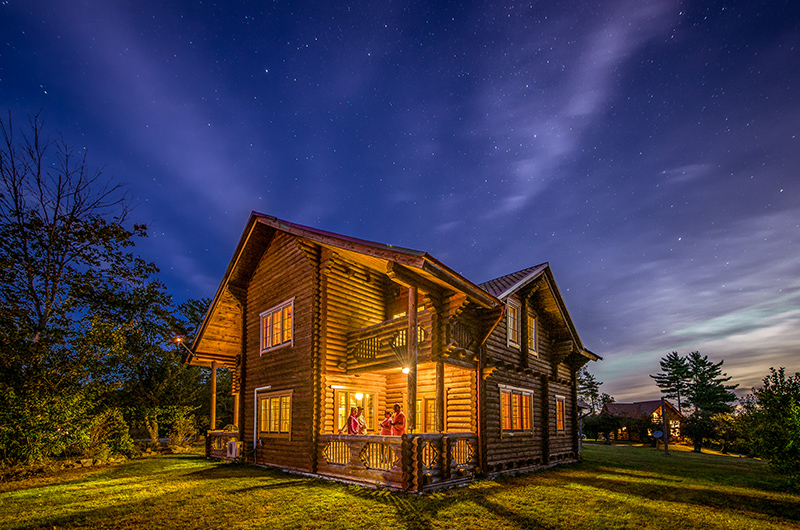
(614, 487)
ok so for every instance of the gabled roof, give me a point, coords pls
(505, 286)
(408, 264)
(639, 409)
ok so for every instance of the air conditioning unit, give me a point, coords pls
(233, 449)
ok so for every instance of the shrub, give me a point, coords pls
(109, 435)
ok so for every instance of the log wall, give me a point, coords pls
(284, 272)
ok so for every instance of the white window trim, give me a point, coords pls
(563, 400)
(271, 310)
(509, 342)
(516, 390)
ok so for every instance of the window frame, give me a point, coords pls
(513, 324)
(561, 415)
(284, 419)
(269, 328)
(507, 410)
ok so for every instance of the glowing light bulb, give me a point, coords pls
(406, 370)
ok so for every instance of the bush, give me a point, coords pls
(35, 427)
(183, 430)
(109, 435)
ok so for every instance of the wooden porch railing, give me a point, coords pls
(217, 444)
(413, 462)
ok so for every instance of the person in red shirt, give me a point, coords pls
(352, 422)
(399, 421)
(386, 424)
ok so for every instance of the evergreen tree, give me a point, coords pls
(589, 389)
(674, 379)
(706, 390)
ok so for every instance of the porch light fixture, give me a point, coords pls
(406, 369)
(359, 396)
(179, 340)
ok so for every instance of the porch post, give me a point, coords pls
(411, 345)
(213, 422)
(440, 396)
(236, 409)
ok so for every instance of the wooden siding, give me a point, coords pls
(283, 273)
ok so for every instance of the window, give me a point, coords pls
(513, 324)
(275, 413)
(345, 399)
(531, 335)
(277, 326)
(516, 409)
(560, 401)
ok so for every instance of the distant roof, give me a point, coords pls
(504, 285)
(639, 409)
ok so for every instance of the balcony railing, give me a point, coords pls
(414, 462)
(383, 345)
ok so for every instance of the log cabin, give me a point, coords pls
(312, 323)
(638, 420)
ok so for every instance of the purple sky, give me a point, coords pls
(649, 150)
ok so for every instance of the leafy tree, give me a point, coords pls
(674, 379)
(74, 298)
(589, 389)
(775, 423)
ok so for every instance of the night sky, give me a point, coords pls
(648, 150)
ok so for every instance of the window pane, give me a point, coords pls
(285, 413)
(513, 324)
(531, 334)
(266, 325)
(515, 411)
(276, 328)
(287, 323)
(526, 412)
(274, 414)
(264, 409)
(560, 414)
(343, 411)
(430, 415)
(506, 410)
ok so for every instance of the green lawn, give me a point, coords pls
(615, 487)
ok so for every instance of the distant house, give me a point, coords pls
(312, 323)
(642, 417)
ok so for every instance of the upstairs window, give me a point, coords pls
(513, 324)
(532, 335)
(277, 326)
(516, 409)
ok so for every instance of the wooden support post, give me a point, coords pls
(547, 419)
(664, 426)
(213, 422)
(411, 344)
(236, 408)
(440, 427)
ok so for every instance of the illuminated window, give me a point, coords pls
(516, 409)
(513, 324)
(426, 415)
(277, 326)
(560, 401)
(275, 413)
(531, 335)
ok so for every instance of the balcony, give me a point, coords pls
(383, 345)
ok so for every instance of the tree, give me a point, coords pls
(674, 379)
(708, 394)
(589, 389)
(706, 390)
(775, 423)
(66, 273)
